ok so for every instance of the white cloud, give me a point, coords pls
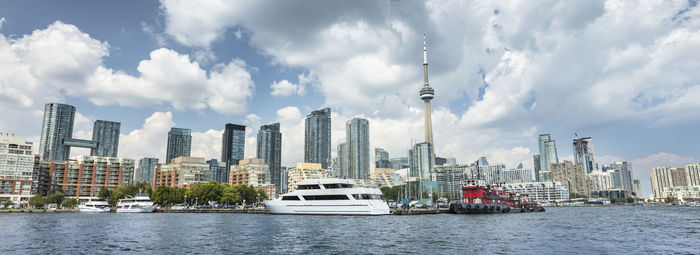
(2, 21)
(285, 88)
(148, 141)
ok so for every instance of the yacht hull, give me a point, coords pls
(345, 207)
(136, 210)
(93, 209)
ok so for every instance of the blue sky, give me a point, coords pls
(622, 73)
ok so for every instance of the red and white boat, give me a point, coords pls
(484, 199)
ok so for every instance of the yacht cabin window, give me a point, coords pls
(313, 186)
(290, 198)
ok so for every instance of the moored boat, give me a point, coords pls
(141, 203)
(329, 197)
(94, 205)
(484, 199)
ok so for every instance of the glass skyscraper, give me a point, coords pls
(381, 158)
(57, 126)
(343, 161)
(317, 138)
(106, 134)
(179, 143)
(548, 152)
(421, 160)
(357, 139)
(583, 153)
(232, 144)
(270, 150)
(144, 172)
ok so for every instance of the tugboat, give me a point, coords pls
(484, 199)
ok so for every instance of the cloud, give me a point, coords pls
(285, 88)
(2, 21)
(148, 141)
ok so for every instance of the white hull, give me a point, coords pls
(344, 207)
(93, 209)
(136, 210)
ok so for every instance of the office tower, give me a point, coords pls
(357, 139)
(660, 179)
(106, 134)
(56, 127)
(637, 188)
(219, 172)
(270, 151)
(381, 158)
(399, 163)
(179, 143)
(548, 152)
(583, 153)
(17, 165)
(571, 175)
(624, 170)
(317, 138)
(232, 144)
(536, 164)
(421, 160)
(144, 172)
(343, 161)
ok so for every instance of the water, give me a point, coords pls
(588, 230)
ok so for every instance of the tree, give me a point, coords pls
(261, 195)
(231, 195)
(55, 198)
(37, 200)
(164, 195)
(204, 192)
(103, 193)
(69, 203)
(8, 203)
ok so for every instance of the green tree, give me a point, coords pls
(204, 192)
(8, 203)
(69, 203)
(232, 195)
(37, 200)
(103, 193)
(55, 198)
(261, 195)
(164, 195)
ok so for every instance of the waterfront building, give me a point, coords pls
(284, 180)
(517, 175)
(304, 171)
(611, 193)
(270, 151)
(84, 176)
(232, 144)
(179, 144)
(451, 178)
(599, 181)
(366, 183)
(144, 172)
(693, 174)
(399, 163)
(317, 137)
(584, 154)
(536, 166)
(678, 176)
(269, 189)
(182, 172)
(548, 152)
(571, 175)
(660, 179)
(381, 158)
(421, 161)
(440, 161)
(542, 192)
(16, 169)
(683, 192)
(387, 177)
(250, 171)
(106, 135)
(343, 170)
(491, 174)
(637, 188)
(357, 140)
(56, 127)
(219, 172)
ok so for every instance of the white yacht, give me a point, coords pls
(141, 203)
(329, 197)
(94, 205)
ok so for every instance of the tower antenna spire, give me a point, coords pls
(425, 51)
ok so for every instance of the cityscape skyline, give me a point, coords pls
(472, 78)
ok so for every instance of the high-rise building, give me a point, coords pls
(637, 188)
(343, 161)
(693, 174)
(250, 171)
(270, 150)
(537, 166)
(219, 172)
(179, 143)
(660, 179)
(678, 177)
(381, 158)
(232, 144)
(400, 163)
(599, 181)
(421, 160)
(16, 169)
(571, 175)
(56, 127)
(317, 138)
(302, 172)
(284, 180)
(144, 172)
(543, 192)
(548, 152)
(357, 139)
(584, 154)
(181, 172)
(84, 176)
(516, 175)
(106, 134)
(426, 94)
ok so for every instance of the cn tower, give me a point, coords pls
(427, 93)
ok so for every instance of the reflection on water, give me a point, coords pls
(616, 229)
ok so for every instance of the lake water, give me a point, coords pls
(582, 230)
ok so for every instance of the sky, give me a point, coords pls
(624, 73)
